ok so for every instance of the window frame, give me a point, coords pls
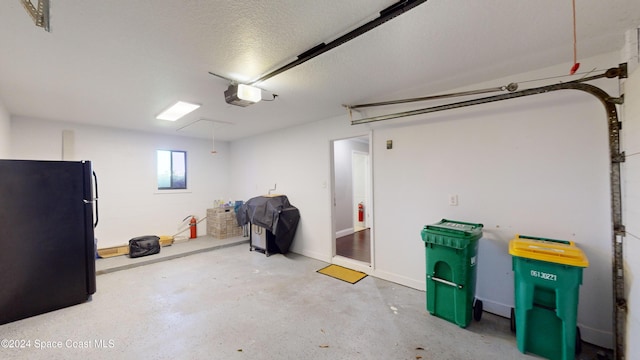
(172, 186)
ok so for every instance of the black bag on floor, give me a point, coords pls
(144, 245)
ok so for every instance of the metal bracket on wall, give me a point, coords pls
(40, 15)
(617, 100)
(617, 157)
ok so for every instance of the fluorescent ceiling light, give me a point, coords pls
(177, 111)
(249, 93)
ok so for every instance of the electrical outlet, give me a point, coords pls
(453, 200)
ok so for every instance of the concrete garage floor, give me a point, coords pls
(229, 303)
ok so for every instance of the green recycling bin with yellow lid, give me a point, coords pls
(547, 279)
(451, 252)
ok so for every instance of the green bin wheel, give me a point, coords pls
(513, 320)
(477, 310)
(578, 341)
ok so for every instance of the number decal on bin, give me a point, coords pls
(544, 275)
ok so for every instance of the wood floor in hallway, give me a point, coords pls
(355, 246)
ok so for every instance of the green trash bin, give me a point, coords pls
(451, 249)
(547, 278)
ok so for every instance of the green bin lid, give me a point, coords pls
(455, 228)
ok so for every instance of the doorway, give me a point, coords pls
(352, 202)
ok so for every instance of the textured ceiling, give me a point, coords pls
(118, 63)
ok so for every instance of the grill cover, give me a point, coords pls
(273, 213)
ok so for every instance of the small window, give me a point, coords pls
(172, 169)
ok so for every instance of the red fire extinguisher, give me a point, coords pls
(360, 212)
(193, 224)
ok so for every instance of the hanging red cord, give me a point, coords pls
(576, 64)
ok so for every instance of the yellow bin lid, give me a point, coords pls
(550, 250)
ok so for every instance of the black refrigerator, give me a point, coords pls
(47, 246)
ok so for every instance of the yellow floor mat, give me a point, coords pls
(342, 273)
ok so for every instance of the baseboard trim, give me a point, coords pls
(352, 264)
(399, 279)
(313, 255)
(344, 232)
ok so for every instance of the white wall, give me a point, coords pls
(125, 162)
(5, 127)
(536, 166)
(298, 160)
(631, 207)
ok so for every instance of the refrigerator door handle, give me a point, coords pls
(95, 178)
(95, 199)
